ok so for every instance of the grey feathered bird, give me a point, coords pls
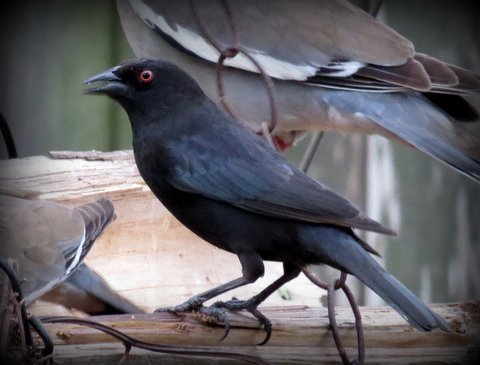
(49, 242)
(335, 67)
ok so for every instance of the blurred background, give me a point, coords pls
(49, 47)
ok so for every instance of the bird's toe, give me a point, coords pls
(195, 303)
(250, 306)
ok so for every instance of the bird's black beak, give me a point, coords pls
(113, 86)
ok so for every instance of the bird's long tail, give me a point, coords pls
(419, 122)
(344, 252)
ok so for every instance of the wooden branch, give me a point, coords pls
(301, 336)
(163, 264)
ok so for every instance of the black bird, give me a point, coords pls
(334, 67)
(232, 189)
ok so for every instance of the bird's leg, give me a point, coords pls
(311, 150)
(252, 268)
(290, 272)
(267, 136)
(196, 302)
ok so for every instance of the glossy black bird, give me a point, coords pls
(232, 189)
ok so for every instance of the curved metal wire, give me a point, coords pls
(30, 351)
(331, 287)
(130, 342)
(231, 51)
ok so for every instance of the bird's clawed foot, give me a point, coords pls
(249, 305)
(218, 311)
(195, 305)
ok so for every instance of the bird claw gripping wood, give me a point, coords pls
(250, 306)
(195, 305)
(231, 51)
(218, 311)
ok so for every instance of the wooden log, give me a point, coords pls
(149, 257)
(301, 336)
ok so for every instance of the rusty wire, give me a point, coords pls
(17, 313)
(231, 51)
(130, 342)
(331, 287)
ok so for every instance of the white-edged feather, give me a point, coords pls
(340, 68)
(78, 255)
(199, 46)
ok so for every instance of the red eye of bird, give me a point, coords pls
(146, 76)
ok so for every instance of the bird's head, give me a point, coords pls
(141, 86)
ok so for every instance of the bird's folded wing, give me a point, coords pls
(323, 42)
(273, 187)
(292, 39)
(38, 235)
(96, 217)
(48, 240)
